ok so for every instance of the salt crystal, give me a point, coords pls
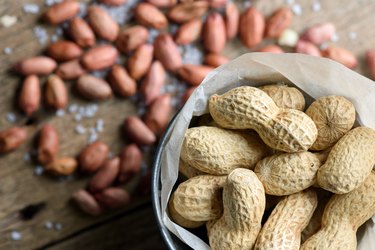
(58, 226)
(290, 2)
(48, 225)
(192, 54)
(92, 137)
(15, 235)
(246, 4)
(60, 112)
(51, 2)
(27, 157)
(11, 117)
(297, 9)
(54, 38)
(8, 50)
(38, 170)
(80, 129)
(73, 108)
(316, 6)
(99, 74)
(59, 31)
(99, 126)
(82, 10)
(77, 117)
(175, 102)
(352, 35)
(41, 34)
(31, 8)
(323, 46)
(8, 21)
(173, 28)
(153, 33)
(335, 38)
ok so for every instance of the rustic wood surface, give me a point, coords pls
(132, 227)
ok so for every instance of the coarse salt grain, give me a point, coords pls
(15, 235)
(297, 9)
(92, 137)
(80, 129)
(27, 157)
(8, 50)
(73, 108)
(51, 2)
(60, 112)
(99, 126)
(246, 4)
(153, 33)
(191, 54)
(82, 10)
(48, 225)
(352, 35)
(41, 34)
(323, 46)
(316, 6)
(335, 38)
(54, 38)
(8, 21)
(77, 117)
(290, 2)
(31, 8)
(38, 170)
(58, 226)
(11, 117)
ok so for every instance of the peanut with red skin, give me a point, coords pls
(278, 22)
(29, 98)
(64, 51)
(167, 53)
(194, 74)
(93, 156)
(56, 94)
(105, 176)
(12, 138)
(62, 166)
(131, 38)
(130, 162)
(113, 197)
(102, 23)
(136, 130)
(38, 65)
(153, 82)
(121, 81)
(99, 57)
(184, 12)
(158, 113)
(214, 34)
(150, 16)
(232, 20)
(140, 61)
(93, 88)
(48, 144)
(87, 202)
(252, 26)
(61, 12)
(189, 32)
(81, 32)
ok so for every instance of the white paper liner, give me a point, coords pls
(315, 76)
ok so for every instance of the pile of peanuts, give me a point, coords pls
(146, 64)
(261, 172)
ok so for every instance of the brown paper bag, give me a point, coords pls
(315, 76)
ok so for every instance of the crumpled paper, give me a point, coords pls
(315, 76)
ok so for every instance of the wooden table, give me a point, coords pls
(134, 226)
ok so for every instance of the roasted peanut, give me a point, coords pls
(278, 22)
(93, 88)
(93, 156)
(232, 20)
(81, 32)
(319, 33)
(29, 98)
(308, 48)
(140, 61)
(61, 12)
(333, 116)
(244, 203)
(289, 173)
(252, 26)
(12, 138)
(102, 23)
(121, 82)
(130, 162)
(113, 197)
(113, 2)
(341, 55)
(70, 70)
(349, 162)
(99, 57)
(38, 65)
(246, 107)
(62, 166)
(285, 96)
(272, 49)
(131, 38)
(194, 74)
(199, 198)
(179, 219)
(153, 82)
(64, 51)
(136, 130)
(215, 60)
(286, 222)
(184, 12)
(48, 144)
(106, 175)
(150, 16)
(189, 32)
(342, 217)
(218, 151)
(56, 95)
(167, 53)
(214, 34)
(87, 202)
(158, 113)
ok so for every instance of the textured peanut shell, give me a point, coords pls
(342, 216)
(199, 198)
(179, 219)
(284, 96)
(287, 173)
(218, 151)
(189, 171)
(244, 203)
(349, 162)
(333, 116)
(248, 107)
(286, 222)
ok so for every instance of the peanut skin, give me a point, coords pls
(218, 151)
(286, 222)
(244, 204)
(248, 107)
(342, 217)
(349, 162)
(199, 198)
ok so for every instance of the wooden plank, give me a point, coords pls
(133, 231)
(19, 187)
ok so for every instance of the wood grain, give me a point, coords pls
(19, 186)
